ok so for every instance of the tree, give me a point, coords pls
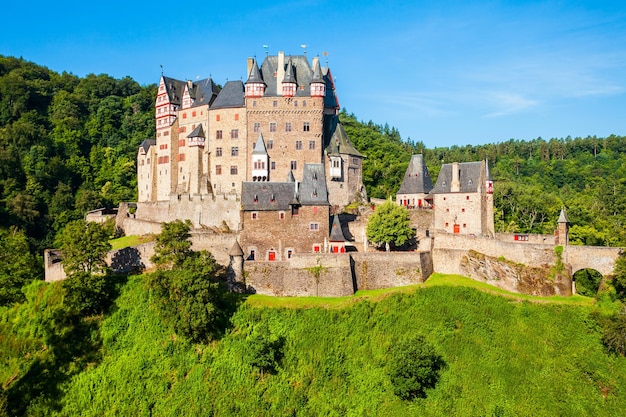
(390, 224)
(264, 350)
(17, 265)
(414, 367)
(614, 334)
(84, 246)
(172, 244)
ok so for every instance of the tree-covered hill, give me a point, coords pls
(498, 357)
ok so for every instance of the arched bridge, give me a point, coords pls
(600, 258)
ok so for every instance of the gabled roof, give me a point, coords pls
(313, 191)
(336, 233)
(416, 178)
(204, 92)
(232, 95)
(471, 177)
(339, 142)
(146, 144)
(266, 196)
(174, 89)
(259, 146)
(198, 132)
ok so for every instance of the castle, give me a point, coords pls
(267, 157)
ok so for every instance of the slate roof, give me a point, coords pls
(469, 177)
(336, 234)
(259, 146)
(313, 191)
(416, 180)
(303, 75)
(257, 196)
(147, 143)
(174, 89)
(563, 217)
(290, 76)
(232, 95)
(235, 250)
(339, 142)
(255, 74)
(204, 92)
(198, 132)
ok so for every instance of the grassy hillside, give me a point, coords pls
(502, 357)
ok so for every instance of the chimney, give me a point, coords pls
(280, 73)
(455, 185)
(250, 62)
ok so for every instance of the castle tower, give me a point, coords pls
(255, 86)
(289, 81)
(195, 145)
(318, 86)
(260, 161)
(562, 231)
(416, 184)
(235, 269)
(337, 239)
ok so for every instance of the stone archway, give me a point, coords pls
(586, 281)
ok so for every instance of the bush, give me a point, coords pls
(414, 367)
(614, 334)
(87, 293)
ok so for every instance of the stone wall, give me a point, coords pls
(324, 275)
(376, 270)
(203, 211)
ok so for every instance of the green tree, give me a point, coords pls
(84, 246)
(389, 224)
(87, 293)
(17, 265)
(264, 349)
(172, 244)
(413, 367)
(614, 334)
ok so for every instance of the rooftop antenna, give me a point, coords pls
(266, 47)
(303, 46)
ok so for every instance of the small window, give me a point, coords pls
(234, 151)
(288, 127)
(275, 104)
(218, 134)
(311, 145)
(193, 114)
(294, 165)
(218, 152)
(252, 255)
(254, 215)
(236, 116)
(184, 115)
(306, 127)
(314, 226)
(316, 248)
(462, 210)
(257, 127)
(446, 224)
(233, 170)
(234, 134)
(272, 127)
(217, 117)
(273, 164)
(467, 197)
(270, 144)
(218, 170)
(281, 215)
(289, 253)
(298, 145)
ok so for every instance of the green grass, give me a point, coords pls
(258, 300)
(128, 241)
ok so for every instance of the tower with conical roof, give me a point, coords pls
(416, 185)
(562, 230)
(260, 161)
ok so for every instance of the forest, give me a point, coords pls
(68, 145)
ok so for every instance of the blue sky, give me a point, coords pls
(445, 73)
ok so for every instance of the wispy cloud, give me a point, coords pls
(508, 103)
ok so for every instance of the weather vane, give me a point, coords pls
(266, 47)
(303, 46)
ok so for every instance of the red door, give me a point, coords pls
(272, 256)
(457, 228)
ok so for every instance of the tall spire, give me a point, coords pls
(289, 81)
(318, 86)
(255, 86)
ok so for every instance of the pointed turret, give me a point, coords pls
(196, 138)
(336, 237)
(260, 161)
(318, 86)
(290, 177)
(562, 230)
(488, 179)
(255, 86)
(563, 217)
(289, 81)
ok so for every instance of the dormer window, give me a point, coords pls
(272, 199)
(256, 198)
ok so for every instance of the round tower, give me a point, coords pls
(235, 269)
